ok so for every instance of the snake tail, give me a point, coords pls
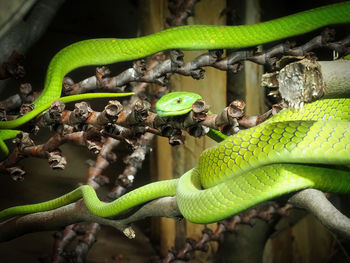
(136, 197)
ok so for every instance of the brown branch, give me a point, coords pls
(96, 180)
(270, 57)
(12, 68)
(124, 181)
(133, 163)
(62, 239)
(87, 241)
(77, 212)
(126, 124)
(49, 150)
(15, 101)
(304, 80)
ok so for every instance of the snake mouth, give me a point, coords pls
(164, 113)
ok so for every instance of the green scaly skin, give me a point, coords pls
(247, 168)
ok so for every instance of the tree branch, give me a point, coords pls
(312, 200)
(304, 80)
(78, 212)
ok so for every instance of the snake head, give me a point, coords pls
(176, 103)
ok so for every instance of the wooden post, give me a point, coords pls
(172, 162)
(245, 85)
(213, 90)
(153, 16)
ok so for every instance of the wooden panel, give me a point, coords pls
(213, 90)
(152, 19)
(245, 84)
(254, 95)
(307, 242)
(152, 16)
(173, 162)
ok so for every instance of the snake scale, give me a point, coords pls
(291, 151)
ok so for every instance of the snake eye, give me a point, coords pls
(178, 100)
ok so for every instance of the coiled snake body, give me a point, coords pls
(284, 154)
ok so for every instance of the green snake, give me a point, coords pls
(291, 151)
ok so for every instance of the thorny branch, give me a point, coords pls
(180, 10)
(133, 161)
(105, 157)
(85, 127)
(13, 67)
(96, 180)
